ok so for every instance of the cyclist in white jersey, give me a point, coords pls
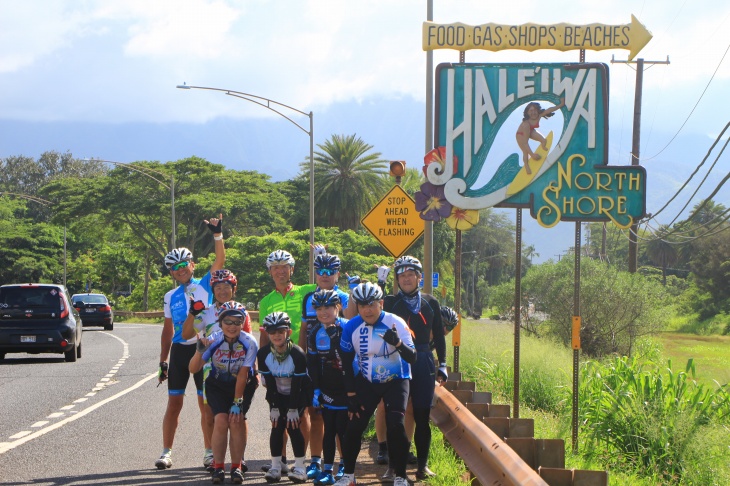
(382, 344)
(172, 345)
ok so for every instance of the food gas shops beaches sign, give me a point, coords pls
(394, 222)
(531, 37)
(560, 176)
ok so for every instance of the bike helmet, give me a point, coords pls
(231, 308)
(331, 262)
(279, 257)
(276, 320)
(221, 276)
(449, 318)
(178, 255)
(407, 263)
(325, 298)
(366, 293)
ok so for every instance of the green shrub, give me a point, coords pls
(645, 417)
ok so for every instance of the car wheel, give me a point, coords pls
(78, 351)
(70, 356)
(109, 327)
(2, 355)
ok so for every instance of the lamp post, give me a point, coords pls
(275, 106)
(44, 203)
(144, 171)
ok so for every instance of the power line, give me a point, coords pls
(709, 151)
(690, 113)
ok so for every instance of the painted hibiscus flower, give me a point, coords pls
(462, 219)
(438, 155)
(431, 202)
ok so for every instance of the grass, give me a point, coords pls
(711, 355)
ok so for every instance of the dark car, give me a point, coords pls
(38, 318)
(94, 309)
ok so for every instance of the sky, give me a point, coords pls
(98, 78)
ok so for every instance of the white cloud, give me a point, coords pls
(309, 54)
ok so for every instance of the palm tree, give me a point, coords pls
(347, 180)
(661, 251)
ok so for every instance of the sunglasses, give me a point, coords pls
(325, 272)
(180, 265)
(232, 322)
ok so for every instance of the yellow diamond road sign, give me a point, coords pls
(394, 222)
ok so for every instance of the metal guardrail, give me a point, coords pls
(486, 455)
(154, 314)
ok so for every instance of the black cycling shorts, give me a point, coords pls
(178, 372)
(220, 394)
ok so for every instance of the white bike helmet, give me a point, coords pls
(366, 293)
(178, 255)
(279, 257)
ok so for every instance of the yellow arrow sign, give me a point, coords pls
(531, 37)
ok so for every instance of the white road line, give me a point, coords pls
(98, 387)
(39, 424)
(20, 434)
(5, 447)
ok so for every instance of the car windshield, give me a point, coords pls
(89, 299)
(29, 297)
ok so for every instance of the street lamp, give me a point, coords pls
(143, 170)
(275, 106)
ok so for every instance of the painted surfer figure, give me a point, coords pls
(528, 130)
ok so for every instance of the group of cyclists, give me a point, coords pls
(328, 359)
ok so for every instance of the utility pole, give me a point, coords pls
(635, 146)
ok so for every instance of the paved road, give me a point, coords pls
(98, 421)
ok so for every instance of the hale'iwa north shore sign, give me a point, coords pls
(567, 178)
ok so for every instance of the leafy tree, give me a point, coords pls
(710, 267)
(617, 307)
(32, 252)
(487, 249)
(347, 180)
(129, 199)
(662, 252)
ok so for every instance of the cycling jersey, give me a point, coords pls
(291, 303)
(324, 364)
(228, 358)
(424, 325)
(177, 303)
(378, 361)
(284, 378)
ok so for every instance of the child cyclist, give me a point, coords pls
(232, 354)
(324, 364)
(283, 365)
(223, 283)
